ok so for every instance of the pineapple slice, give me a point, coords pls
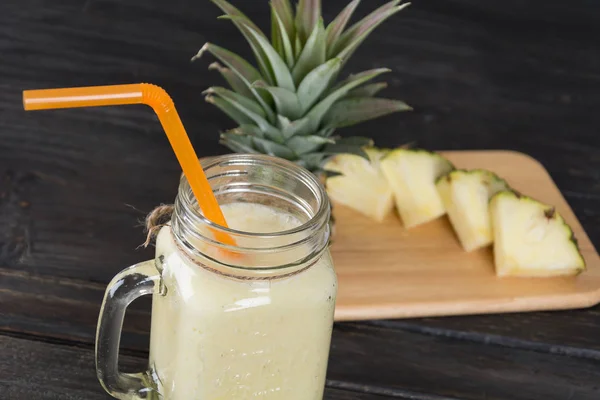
(412, 175)
(361, 186)
(531, 239)
(466, 196)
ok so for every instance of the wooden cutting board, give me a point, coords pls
(386, 271)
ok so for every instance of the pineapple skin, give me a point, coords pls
(466, 195)
(361, 185)
(531, 239)
(412, 174)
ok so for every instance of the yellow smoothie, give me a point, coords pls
(220, 338)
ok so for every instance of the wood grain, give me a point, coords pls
(74, 184)
(67, 310)
(478, 77)
(412, 362)
(64, 310)
(44, 371)
(386, 271)
(458, 368)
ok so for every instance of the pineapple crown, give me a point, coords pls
(291, 105)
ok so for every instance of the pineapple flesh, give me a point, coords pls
(531, 239)
(412, 175)
(292, 102)
(360, 185)
(466, 195)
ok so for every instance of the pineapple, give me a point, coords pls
(466, 196)
(531, 239)
(291, 105)
(360, 185)
(412, 174)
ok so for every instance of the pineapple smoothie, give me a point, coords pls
(214, 337)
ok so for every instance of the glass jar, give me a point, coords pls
(246, 321)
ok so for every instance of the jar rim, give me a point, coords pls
(266, 177)
(310, 180)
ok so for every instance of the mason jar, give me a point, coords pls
(251, 319)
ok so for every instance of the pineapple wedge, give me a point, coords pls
(531, 239)
(466, 196)
(412, 175)
(361, 186)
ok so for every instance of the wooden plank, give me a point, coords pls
(365, 357)
(458, 368)
(45, 371)
(502, 75)
(533, 355)
(387, 271)
(573, 333)
(65, 309)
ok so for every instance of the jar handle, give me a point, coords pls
(133, 282)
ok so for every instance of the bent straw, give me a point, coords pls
(155, 97)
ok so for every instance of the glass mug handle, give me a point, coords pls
(131, 283)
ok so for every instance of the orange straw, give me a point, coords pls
(161, 103)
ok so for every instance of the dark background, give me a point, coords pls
(75, 184)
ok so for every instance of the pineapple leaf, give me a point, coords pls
(326, 132)
(238, 143)
(298, 127)
(297, 47)
(237, 98)
(253, 130)
(246, 72)
(244, 24)
(369, 19)
(231, 10)
(273, 149)
(354, 37)
(307, 144)
(308, 13)
(317, 113)
(247, 130)
(274, 136)
(339, 148)
(284, 124)
(313, 53)
(283, 9)
(286, 102)
(228, 109)
(355, 110)
(367, 90)
(316, 82)
(283, 78)
(313, 161)
(276, 38)
(249, 112)
(343, 40)
(232, 60)
(232, 79)
(336, 27)
(287, 51)
(259, 54)
(350, 78)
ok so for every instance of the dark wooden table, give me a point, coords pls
(75, 184)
